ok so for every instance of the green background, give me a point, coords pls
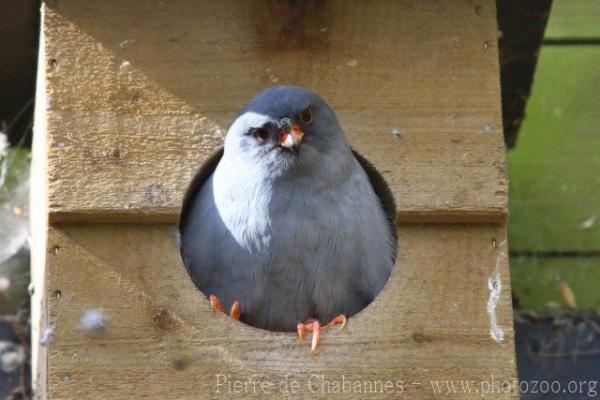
(554, 168)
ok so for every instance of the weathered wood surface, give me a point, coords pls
(139, 94)
(38, 209)
(431, 322)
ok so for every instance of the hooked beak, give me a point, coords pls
(290, 137)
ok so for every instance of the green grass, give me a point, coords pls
(574, 19)
(554, 170)
(554, 179)
(535, 282)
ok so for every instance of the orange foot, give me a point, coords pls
(314, 326)
(234, 312)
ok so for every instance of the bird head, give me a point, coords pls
(288, 129)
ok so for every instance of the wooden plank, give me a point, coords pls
(38, 214)
(431, 322)
(554, 182)
(574, 19)
(535, 281)
(135, 108)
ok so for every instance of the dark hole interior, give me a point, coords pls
(379, 184)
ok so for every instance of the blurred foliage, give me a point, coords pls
(14, 229)
(13, 166)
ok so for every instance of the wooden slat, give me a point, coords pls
(38, 211)
(139, 94)
(431, 322)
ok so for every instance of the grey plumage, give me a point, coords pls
(291, 236)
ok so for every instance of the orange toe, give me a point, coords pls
(339, 320)
(315, 327)
(235, 311)
(316, 339)
(215, 303)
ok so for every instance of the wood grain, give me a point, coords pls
(139, 94)
(38, 208)
(162, 340)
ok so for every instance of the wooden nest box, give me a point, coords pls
(133, 97)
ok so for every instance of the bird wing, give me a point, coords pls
(381, 188)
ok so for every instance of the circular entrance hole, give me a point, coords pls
(254, 279)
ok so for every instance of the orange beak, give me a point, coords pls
(292, 138)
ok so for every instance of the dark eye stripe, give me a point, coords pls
(261, 134)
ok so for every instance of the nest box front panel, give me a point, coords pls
(162, 339)
(135, 108)
(138, 95)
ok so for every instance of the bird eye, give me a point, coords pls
(261, 134)
(306, 115)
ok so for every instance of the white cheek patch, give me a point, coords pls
(249, 120)
(237, 142)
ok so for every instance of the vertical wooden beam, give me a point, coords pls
(39, 227)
